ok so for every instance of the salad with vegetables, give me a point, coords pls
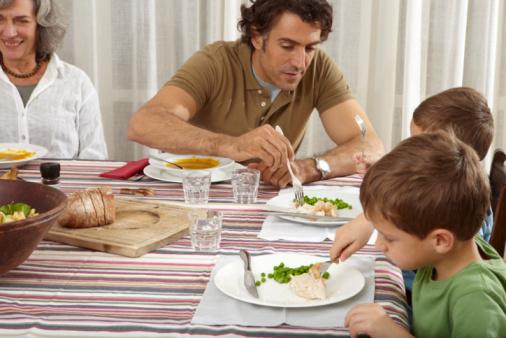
(16, 212)
(322, 206)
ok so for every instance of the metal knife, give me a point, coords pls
(316, 218)
(311, 217)
(249, 279)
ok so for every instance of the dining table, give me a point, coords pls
(68, 291)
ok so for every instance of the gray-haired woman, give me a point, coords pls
(44, 100)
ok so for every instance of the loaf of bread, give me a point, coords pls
(89, 208)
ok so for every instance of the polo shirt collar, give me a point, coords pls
(251, 82)
(245, 57)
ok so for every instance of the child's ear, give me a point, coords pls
(442, 240)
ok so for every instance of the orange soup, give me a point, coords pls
(196, 163)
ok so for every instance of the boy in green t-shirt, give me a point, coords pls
(427, 199)
(464, 111)
(461, 109)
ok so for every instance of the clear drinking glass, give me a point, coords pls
(196, 186)
(245, 185)
(205, 230)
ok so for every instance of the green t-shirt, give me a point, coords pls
(472, 303)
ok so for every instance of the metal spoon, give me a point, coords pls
(165, 161)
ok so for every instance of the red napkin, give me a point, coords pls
(130, 169)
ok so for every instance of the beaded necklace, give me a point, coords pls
(21, 76)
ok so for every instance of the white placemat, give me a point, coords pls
(275, 228)
(216, 308)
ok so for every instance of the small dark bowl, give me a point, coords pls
(19, 239)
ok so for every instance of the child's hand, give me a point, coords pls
(363, 161)
(371, 319)
(351, 237)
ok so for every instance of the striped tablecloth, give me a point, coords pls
(64, 291)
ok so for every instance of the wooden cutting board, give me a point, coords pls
(139, 227)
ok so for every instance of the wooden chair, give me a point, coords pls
(497, 176)
(498, 201)
(498, 237)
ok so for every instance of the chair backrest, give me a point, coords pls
(497, 176)
(498, 200)
(498, 237)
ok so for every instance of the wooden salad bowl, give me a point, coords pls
(20, 238)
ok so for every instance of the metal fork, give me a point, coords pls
(296, 184)
(324, 266)
(363, 131)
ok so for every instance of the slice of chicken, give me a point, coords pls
(309, 285)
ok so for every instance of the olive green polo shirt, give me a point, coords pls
(231, 101)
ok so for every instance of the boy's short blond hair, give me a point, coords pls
(463, 110)
(429, 181)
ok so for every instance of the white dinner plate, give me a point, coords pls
(223, 163)
(163, 175)
(344, 281)
(285, 201)
(38, 151)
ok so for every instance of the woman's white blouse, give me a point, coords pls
(62, 114)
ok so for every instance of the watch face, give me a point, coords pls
(323, 165)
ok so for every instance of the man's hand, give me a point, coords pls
(262, 143)
(371, 319)
(351, 237)
(278, 177)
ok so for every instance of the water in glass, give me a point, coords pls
(245, 185)
(205, 230)
(196, 186)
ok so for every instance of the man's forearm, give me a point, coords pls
(157, 128)
(340, 159)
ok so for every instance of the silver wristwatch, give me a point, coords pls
(322, 166)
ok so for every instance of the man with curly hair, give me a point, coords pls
(228, 97)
